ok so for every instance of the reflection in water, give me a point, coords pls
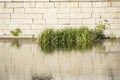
(15, 43)
(29, 63)
(42, 77)
(49, 48)
(110, 74)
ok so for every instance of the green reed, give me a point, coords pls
(69, 38)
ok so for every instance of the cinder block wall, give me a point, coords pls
(32, 16)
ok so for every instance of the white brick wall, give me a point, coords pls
(32, 16)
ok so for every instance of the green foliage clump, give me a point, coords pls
(48, 36)
(100, 27)
(64, 38)
(15, 32)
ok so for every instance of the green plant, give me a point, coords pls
(15, 32)
(47, 36)
(33, 36)
(100, 27)
(72, 35)
(112, 36)
(81, 37)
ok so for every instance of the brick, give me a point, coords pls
(108, 15)
(107, 4)
(60, 5)
(60, 16)
(14, 26)
(28, 32)
(4, 16)
(14, 5)
(1, 5)
(116, 33)
(21, 21)
(102, 20)
(96, 15)
(29, 5)
(85, 4)
(26, 16)
(81, 15)
(81, 0)
(37, 32)
(71, 4)
(51, 10)
(63, 21)
(115, 26)
(50, 16)
(66, 4)
(99, 10)
(40, 27)
(38, 21)
(117, 21)
(89, 10)
(6, 21)
(75, 10)
(97, 4)
(51, 21)
(75, 21)
(6, 32)
(1, 32)
(1, 21)
(64, 10)
(19, 10)
(3, 26)
(112, 9)
(5, 10)
(90, 26)
(115, 4)
(18, 0)
(117, 15)
(41, 10)
(60, 26)
(110, 21)
(45, 5)
(41, 0)
(34, 10)
(88, 21)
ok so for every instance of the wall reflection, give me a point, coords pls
(28, 62)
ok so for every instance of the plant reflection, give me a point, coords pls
(42, 77)
(15, 43)
(86, 46)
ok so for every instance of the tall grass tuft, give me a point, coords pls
(81, 36)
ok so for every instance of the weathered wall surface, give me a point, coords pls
(32, 16)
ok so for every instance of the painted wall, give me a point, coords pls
(32, 16)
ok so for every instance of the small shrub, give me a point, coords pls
(100, 27)
(33, 36)
(15, 32)
(47, 36)
(63, 38)
(112, 36)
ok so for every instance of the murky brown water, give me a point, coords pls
(28, 62)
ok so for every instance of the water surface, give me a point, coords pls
(24, 59)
